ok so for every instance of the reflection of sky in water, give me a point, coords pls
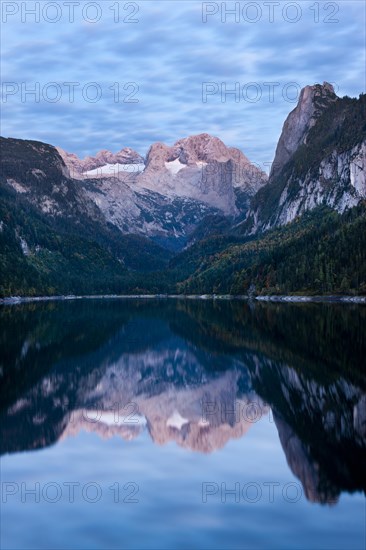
(170, 512)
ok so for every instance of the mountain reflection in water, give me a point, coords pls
(198, 373)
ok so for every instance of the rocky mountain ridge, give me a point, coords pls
(77, 167)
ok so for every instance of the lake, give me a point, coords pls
(160, 424)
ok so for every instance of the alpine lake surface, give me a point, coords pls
(177, 423)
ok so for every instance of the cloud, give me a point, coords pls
(169, 54)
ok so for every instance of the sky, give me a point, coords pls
(87, 76)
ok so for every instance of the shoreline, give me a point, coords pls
(12, 300)
(304, 299)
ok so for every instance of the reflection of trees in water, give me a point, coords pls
(306, 361)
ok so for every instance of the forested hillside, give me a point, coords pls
(322, 252)
(40, 256)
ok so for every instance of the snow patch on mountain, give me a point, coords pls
(175, 166)
(114, 170)
(79, 169)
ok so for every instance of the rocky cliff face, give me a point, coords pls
(312, 102)
(320, 160)
(340, 183)
(202, 168)
(199, 168)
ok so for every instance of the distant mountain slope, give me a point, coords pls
(164, 198)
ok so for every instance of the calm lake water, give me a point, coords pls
(182, 424)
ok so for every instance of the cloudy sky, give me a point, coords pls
(109, 74)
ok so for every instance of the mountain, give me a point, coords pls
(305, 231)
(193, 217)
(320, 160)
(53, 238)
(169, 194)
(203, 168)
(164, 198)
(73, 226)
